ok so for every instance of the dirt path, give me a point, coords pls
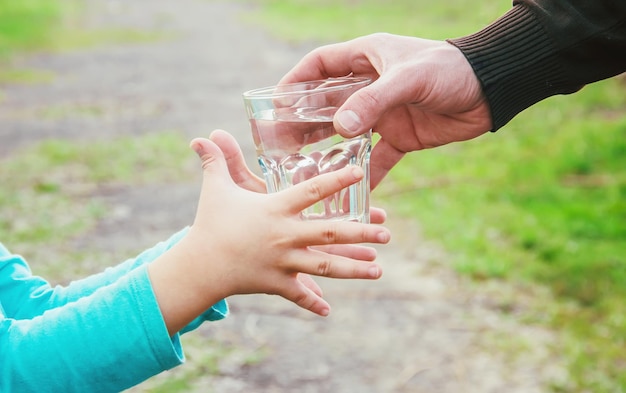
(418, 329)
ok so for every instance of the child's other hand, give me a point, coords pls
(251, 242)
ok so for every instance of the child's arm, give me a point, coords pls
(108, 341)
(31, 295)
(25, 296)
(241, 242)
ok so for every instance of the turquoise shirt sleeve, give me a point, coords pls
(101, 334)
(105, 342)
(24, 295)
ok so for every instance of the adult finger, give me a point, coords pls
(377, 215)
(382, 159)
(321, 63)
(366, 106)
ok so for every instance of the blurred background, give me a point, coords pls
(98, 100)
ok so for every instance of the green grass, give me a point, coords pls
(204, 356)
(27, 24)
(25, 76)
(56, 25)
(329, 20)
(542, 202)
(48, 190)
(52, 25)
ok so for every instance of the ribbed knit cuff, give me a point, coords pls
(516, 63)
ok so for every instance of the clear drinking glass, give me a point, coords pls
(292, 127)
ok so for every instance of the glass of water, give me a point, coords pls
(292, 127)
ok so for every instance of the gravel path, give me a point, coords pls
(420, 328)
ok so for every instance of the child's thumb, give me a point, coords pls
(213, 161)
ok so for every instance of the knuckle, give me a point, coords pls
(301, 299)
(207, 160)
(330, 235)
(369, 98)
(315, 191)
(380, 38)
(324, 268)
(365, 234)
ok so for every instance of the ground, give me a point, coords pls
(420, 328)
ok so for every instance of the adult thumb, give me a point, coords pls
(363, 109)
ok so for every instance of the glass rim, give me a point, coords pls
(334, 84)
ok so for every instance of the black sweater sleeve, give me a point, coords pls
(541, 48)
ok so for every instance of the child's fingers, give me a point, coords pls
(322, 232)
(236, 163)
(305, 194)
(216, 179)
(212, 158)
(308, 282)
(321, 264)
(354, 251)
(306, 298)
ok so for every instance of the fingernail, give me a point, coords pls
(374, 271)
(195, 146)
(383, 237)
(349, 120)
(325, 312)
(357, 172)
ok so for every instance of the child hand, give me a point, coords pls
(281, 212)
(243, 177)
(244, 242)
(258, 242)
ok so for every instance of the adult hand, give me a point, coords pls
(424, 94)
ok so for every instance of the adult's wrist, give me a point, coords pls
(515, 62)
